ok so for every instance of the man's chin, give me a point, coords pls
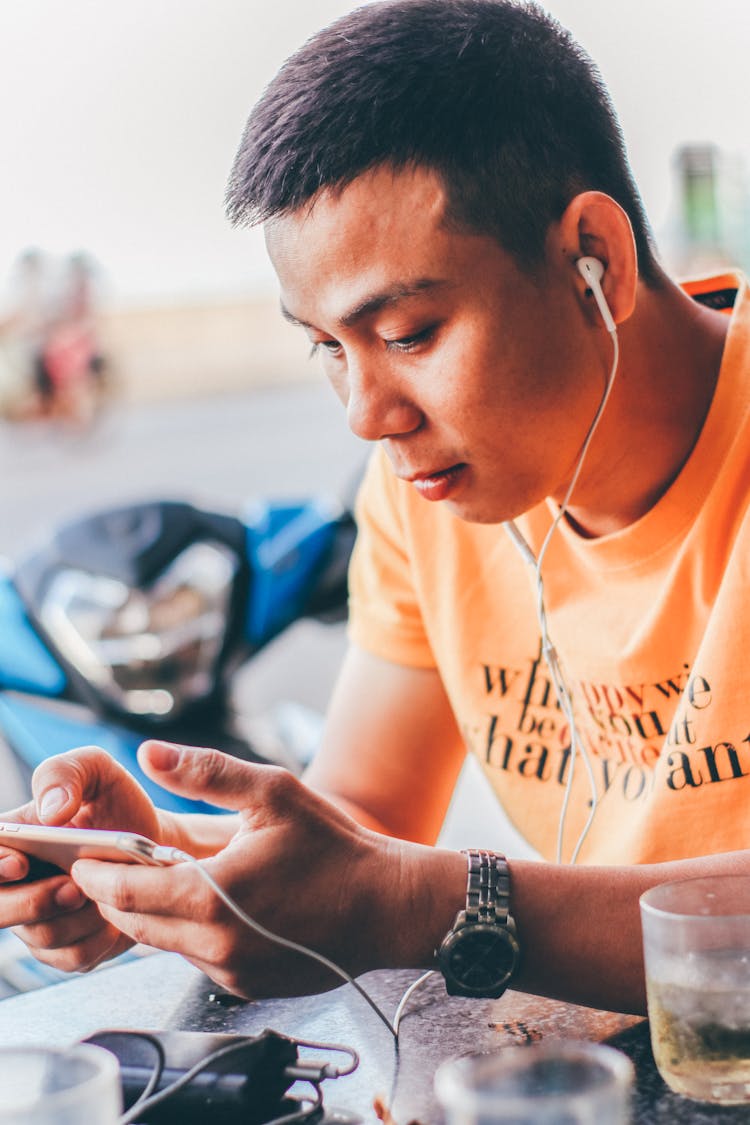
(479, 512)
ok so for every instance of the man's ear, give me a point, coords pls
(594, 225)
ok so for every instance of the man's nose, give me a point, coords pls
(377, 406)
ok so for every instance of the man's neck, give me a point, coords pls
(670, 355)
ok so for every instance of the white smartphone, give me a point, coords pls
(61, 847)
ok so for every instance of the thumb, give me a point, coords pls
(204, 774)
(82, 781)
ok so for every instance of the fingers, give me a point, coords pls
(80, 956)
(210, 775)
(22, 814)
(173, 909)
(65, 784)
(294, 863)
(13, 866)
(64, 929)
(87, 787)
(62, 783)
(130, 888)
(67, 930)
(53, 916)
(168, 908)
(42, 901)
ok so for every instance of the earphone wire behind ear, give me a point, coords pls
(592, 271)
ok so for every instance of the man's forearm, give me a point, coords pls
(580, 927)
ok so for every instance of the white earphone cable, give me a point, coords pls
(548, 649)
(566, 704)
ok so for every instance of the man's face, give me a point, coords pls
(466, 369)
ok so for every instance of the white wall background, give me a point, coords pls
(119, 119)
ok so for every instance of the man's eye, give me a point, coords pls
(411, 343)
(332, 347)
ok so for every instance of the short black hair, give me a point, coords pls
(493, 95)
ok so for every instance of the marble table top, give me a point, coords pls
(161, 991)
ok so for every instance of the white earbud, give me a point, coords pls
(592, 272)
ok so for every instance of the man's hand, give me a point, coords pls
(293, 861)
(297, 864)
(61, 926)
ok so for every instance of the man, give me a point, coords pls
(431, 174)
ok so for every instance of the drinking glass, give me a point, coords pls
(558, 1083)
(58, 1086)
(696, 941)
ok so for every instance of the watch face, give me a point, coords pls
(480, 958)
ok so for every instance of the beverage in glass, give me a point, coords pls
(696, 937)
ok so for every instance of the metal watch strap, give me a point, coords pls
(487, 887)
(479, 956)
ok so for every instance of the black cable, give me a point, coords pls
(179, 1083)
(302, 1114)
(148, 1100)
(158, 1070)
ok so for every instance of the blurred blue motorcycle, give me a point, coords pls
(130, 623)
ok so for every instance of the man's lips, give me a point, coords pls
(439, 485)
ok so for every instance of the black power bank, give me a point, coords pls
(248, 1085)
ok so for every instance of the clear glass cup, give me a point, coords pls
(696, 942)
(556, 1083)
(58, 1086)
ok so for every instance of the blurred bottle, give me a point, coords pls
(52, 365)
(709, 229)
(72, 352)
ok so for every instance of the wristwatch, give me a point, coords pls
(480, 954)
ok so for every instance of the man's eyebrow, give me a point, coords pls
(374, 302)
(292, 318)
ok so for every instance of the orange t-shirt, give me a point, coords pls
(652, 624)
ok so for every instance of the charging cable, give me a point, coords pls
(175, 855)
(549, 651)
(302, 1071)
(158, 1069)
